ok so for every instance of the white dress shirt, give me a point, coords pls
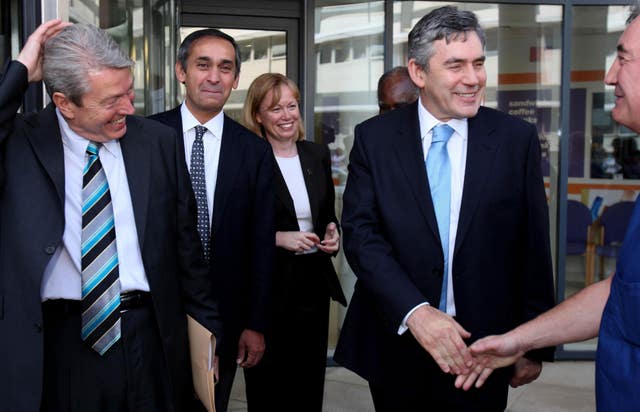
(457, 149)
(62, 277)
(211, 140)
(292, 172)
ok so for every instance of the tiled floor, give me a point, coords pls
(562, 387)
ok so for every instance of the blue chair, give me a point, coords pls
(579, 235)
(613, 226)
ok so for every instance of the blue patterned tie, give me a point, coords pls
(439, 173)
(100, 271)
(199, 185)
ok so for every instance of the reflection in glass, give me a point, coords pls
(145, 30)
(349, 50)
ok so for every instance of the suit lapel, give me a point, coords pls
(137, 161)
(46, 142)
(410, 157)
(231, 148)
(282, 192)
(481, 148)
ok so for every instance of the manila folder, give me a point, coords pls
(202, 345)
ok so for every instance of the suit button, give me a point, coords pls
(50, 250)
(38, 327)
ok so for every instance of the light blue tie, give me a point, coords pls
(439, 173)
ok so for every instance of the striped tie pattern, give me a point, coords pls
(439, 174)
(199, 185)
(100, 272)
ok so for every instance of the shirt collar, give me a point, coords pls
(189, 121)
(428, 122)
(78, 144)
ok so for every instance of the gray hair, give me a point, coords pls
(633, 12)
(74, 53)
(446, 23)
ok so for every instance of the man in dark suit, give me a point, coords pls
(236, 196)
(446, 227)
(99, 254)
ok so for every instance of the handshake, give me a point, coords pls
(441, 336)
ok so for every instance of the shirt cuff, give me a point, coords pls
(403, 326)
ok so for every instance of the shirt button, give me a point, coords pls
(50, 250)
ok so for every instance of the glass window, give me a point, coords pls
(145, 30)
(604, 161)
(341, 50)
(345, 95)
(377, 49)
(324, 52)
(278, 47)
(4, 33)
(359, 46)
(260, 49)
(245, 51)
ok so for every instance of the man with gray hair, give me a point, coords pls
(608, 309)
(446, 227)
(100, 259)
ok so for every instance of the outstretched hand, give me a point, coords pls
(441, 336)
(33, 50)
(489, 353)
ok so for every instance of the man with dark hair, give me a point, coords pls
(396, 89)
(99, 253)
(446, 227)
(609, 309)
(231, 172)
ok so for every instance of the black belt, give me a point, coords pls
(134, 299)
(128, 300)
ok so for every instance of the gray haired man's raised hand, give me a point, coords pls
(33, 50)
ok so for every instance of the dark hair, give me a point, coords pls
(447, 23)
(185, 46)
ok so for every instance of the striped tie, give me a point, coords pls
(199, 185)
(100, 278)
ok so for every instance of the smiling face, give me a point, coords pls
(209, 77)
(102, 115)
(454, 83)
(623, 76)
(280, 121)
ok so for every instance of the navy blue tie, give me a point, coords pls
(199, 185)
(439, 173)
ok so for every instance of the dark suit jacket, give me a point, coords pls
(316, 169)
(502, 272)
(32, 194)
(242, 230)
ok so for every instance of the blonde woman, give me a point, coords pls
(307, 236)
